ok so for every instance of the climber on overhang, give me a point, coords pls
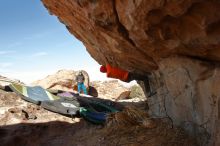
(123, 75)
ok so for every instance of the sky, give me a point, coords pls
(34, 44)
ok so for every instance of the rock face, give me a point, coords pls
(62, 80)
(188, 92)
(177, 41)
(4, 81)
(109, 89)
(136, 35)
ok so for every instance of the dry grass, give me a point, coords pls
(134, 127)
(127, 128)
(130, 116)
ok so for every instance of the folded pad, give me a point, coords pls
(34, 94)
(65, 106)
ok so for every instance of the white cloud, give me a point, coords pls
(7, 52)
(5, 64)
(30, 76)
(27, 76)
(4, 70)
(38, 54)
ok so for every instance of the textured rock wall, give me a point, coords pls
(177, 40)
(188, 92)
(137, 34)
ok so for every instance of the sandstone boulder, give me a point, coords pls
(62, 80)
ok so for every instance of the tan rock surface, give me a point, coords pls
(188, 92)
(61, 80)
(109, 89)
(4, 81)
(136, 35)
(14, 110)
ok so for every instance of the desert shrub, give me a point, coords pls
(136, 92)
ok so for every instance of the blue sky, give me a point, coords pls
(34, 44)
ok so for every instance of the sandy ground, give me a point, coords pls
(26, 124)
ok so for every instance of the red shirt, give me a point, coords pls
(117, 73)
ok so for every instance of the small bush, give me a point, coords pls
(136, 92)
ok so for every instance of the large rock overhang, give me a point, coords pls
(136, 35)
(178, 41)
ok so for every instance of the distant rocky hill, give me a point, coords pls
(6, 81)
(109, 89)
(63, 80)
